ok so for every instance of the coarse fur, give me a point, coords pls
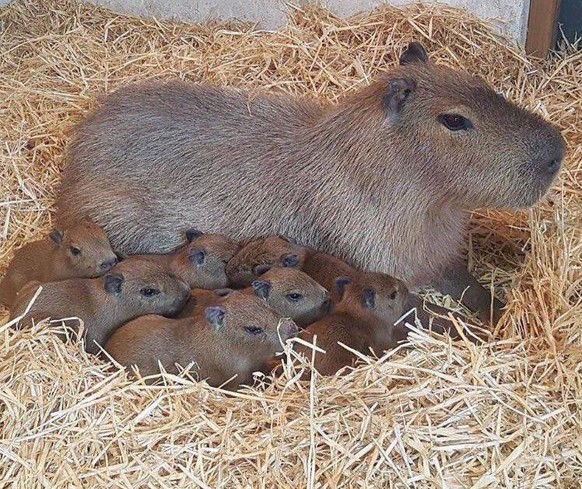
(105, 303)
(232, 339)
(201, 263)
(378, 179)
(80, 251)
(363, 320)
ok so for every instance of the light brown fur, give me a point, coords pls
(219, 351)
(105, 303)
(52, 259)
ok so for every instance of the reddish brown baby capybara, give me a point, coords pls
(363, 320)
(201, 263)
(224, 344)
(261, 255)
(133, 288)
(293, 294)
(81, 251)
(385, 179)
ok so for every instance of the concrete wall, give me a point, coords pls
(509, 16)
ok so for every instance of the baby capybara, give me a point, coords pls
(201, 262)
(363, 320)
(133, 288)
(261, 255)
(293, 294)
(81, 251)
(385, 179)
(224, 344)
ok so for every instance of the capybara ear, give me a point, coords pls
(287, 238)
(223, 292)
(215, 316)
(260, 269)
(192, 234)
(369, 298)
(196, 257)
(395, 98)
(414, 53)
(340, 284)
(262, 288)
(290, 261)
(113, 283)
(57, 236)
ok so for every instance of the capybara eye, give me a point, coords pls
(75, 251)
(149, 292)
(294, 297)
(392, 296)
(197, 257)
(254, 330)
(455, 122)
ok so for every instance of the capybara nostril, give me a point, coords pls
(108, 265)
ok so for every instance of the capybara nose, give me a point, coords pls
(108, 265)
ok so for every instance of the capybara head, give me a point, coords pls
(247, 321)
(142, 287)
(85, 248)
(259, 256)
(293, 294)
(202, 262)
(458, 133)
(377, 294)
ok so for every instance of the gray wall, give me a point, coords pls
(509, 16)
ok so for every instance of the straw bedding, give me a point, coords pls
(506, 414)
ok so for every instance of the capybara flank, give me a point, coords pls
(363, 320)
(133, 288)
(385, 179)
(79, 251)
(201, 263)
(293, 294)
(226, 343)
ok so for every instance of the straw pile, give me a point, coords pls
(506, 414)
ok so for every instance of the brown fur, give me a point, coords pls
(377, 179)
(210, 274)
(102, 310)
(52, 259)
(219, 351)
(361, 328)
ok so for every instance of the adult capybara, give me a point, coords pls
(201, 263)
(80, 251)
(385, 179)
(133, 288)
(225, 344)
(363, 320)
